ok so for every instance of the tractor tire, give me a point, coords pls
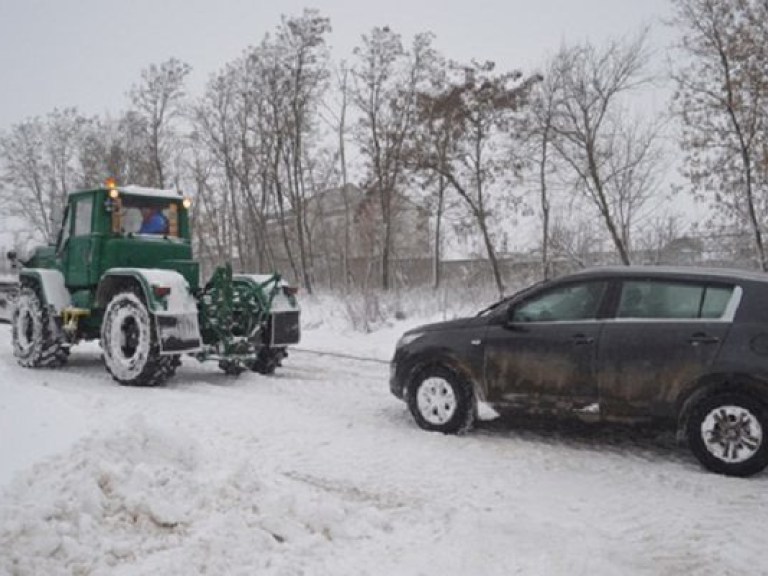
(38, 341)
(129, 341)
(268, 360)
(170, 364)
(231, 368)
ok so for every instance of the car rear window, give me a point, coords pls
(672, 300)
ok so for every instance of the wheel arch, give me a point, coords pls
(436, 358)
(714, 384)
(113, 283)
(139, 279)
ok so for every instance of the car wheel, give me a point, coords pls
(128, 339)
(727, 432)
(441, 400)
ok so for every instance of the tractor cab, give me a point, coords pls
(123, 227)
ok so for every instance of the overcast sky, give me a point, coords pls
(88, 53)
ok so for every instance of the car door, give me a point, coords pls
(542, 355)
(665, 334)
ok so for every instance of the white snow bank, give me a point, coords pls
(35, 421)
(142, 499)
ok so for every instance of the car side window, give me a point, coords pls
(579, 301)
(655, 299)
(716, 300)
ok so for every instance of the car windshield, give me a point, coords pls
(148, 216)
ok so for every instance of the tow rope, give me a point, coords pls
(339, 355)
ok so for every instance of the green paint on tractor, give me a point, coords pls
(122, 271)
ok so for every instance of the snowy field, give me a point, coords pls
(319, 471)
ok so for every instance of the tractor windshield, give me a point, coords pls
(149, 216)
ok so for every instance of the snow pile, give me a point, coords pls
(146, 500)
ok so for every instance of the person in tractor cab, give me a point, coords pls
(153, 221)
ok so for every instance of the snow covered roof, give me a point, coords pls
(141, 191)
(156, 192)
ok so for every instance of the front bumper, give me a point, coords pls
(397, 376)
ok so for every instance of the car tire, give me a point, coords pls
(38, 341)
(727, 433)
(441, 400)
(129, 341)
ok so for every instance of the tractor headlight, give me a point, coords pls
(406, 339)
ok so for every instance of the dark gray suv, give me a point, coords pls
(681, 347)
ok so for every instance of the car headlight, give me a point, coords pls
(406, 339)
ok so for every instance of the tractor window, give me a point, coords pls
(83, 214)
(140, 216)
(64, 232)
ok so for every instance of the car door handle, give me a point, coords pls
(701, 338)
(581, 339)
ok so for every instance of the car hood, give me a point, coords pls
(458, 323)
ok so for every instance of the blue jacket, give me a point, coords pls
(155, 224)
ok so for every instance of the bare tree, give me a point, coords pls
(573, 239)
(42, 162)
(544, 102)
(157, 100)
(434, 137)
(336, 118)
(475, 113)
(301, 43)
(387, 80)
(722, 99)
(613, 161)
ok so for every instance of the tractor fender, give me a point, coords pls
(175, 312)
(53, 291)
(178, 301)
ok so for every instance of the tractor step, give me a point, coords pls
(70, 316)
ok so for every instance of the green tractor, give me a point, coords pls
(122, 271)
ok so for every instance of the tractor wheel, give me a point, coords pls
(231, 368)
(268, 360)
(170, 364)
(38, 341)
(128, 339)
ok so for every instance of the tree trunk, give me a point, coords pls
(491, 254)
(437, 264)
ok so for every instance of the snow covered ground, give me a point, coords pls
(319, 471)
